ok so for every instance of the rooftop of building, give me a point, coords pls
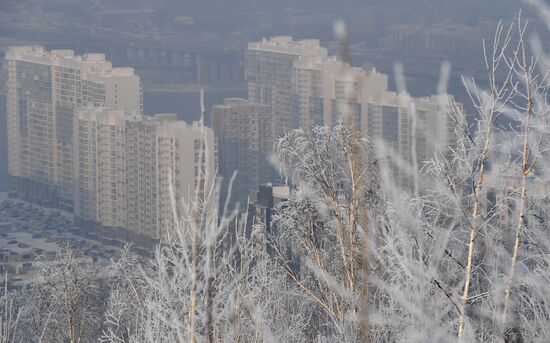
(93, 63)
(106, 116)
(287, 45)
(170, 120)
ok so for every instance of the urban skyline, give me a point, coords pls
(79, 142)
(288, 171)
(107, 144)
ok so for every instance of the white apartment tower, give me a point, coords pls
(45, 90)
(163, 157)
(300, 82)
(129, 166)
(305, 87)
(100, 165)
(77, 139)
(272, 74)
(411, 130)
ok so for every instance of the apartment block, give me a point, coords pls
(271, 73)
(304, 87)
(168, 163)
(411, 130)
(243, 132)
(100, 165)
(302, 84)
(44, 91)
(133, 171)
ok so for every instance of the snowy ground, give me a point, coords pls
(29, 232)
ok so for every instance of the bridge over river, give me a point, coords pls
(157, 61)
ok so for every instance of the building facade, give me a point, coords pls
(100, 165)
(133, 171)
(304, 87)
(44, 91)
(78, 140)
(243, 132)
(271, 72)
(411, 131)
(169, 163)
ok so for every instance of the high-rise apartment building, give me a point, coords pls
(132, 170)
(3, 146)
(100, 165)
(44, 92)
(272, 74)
(315, 90)
(411, 130)
(166, 156)
(243, 132)
(302, 84)
(352, 88)
(305, 87)
(78, 140)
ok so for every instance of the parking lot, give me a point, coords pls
(29, 233)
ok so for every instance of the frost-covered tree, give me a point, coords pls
(467, 258)
(9, 316)
(219, 287)
(322, 230)
(125, 312)
(464, 256)
(64, 302)
(211, 281)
